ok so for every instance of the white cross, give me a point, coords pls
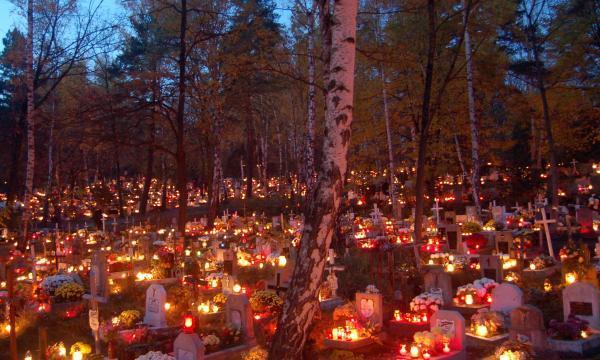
(437, 209)
(545, 222)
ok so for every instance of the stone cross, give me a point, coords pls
(545, 223)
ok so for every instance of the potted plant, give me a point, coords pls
(130, 331)
(67, 300)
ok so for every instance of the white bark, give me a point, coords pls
(312, 102)
(472, 117)
(29, 173)
(388, 132)
(324, 200)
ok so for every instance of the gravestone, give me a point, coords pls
(332, 281)
(98, 274)
(229, 262)
(471, 212)
(370, 307)
(585, 218)
(582, 300)
(506, 297)
(188, 347)
(504, 242)
(454, 237)
(499, 214)
(491, 267)
(239, 315)
(156, 297)
(527, 325)
(227, 282)
(437, 279)
(450, 217)
(452, 323)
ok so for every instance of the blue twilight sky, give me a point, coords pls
(10, 17)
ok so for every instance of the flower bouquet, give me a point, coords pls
(572, 329)
(426, 303)
(155, 355)
(211, 342)
(542, 262)
(487, 323)
(477, 293)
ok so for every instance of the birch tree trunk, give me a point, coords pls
(301, 299)
(213, 198)
(388, 132)
(475, 183)
(312, 102)
(30, 170)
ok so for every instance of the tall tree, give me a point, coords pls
(30, 170)
(338, 31)
(475, 165)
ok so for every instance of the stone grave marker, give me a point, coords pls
(99, 269)
(239, 314)
(454, 237)
(506, 297)
(491, 267)
(582, 300)
(527, 325)
(188, 347)
(227, 282)
(504, 242)
(437, 279)
(450, 217)
(156, 297)
(585, 218)
(499, 214)
(453, 323)
(370, 307)
(471, 212)
(229, 262)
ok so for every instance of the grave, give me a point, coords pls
(188, 347)
(504, 242)
(527, 325)
(452, 323)
(239, 314)
(156, 297)
(454, 237)
(438, 279)
(499, 214)
(506, 297)
(491, 267)
(450, 217)
(370, 307)
(582, 300)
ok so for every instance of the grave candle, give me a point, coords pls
(403, 350)
(570, 278)
(414, 351)
(481, 330)
(469, 299)
(446, 348)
